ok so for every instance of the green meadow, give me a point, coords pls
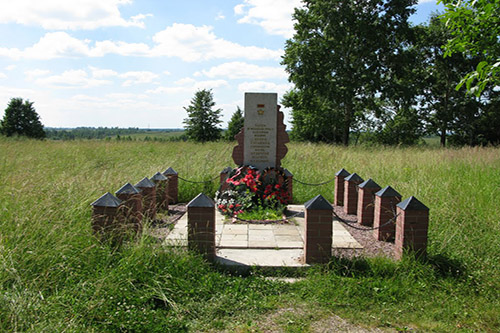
(55, 276)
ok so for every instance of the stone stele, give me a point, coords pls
(261, 143)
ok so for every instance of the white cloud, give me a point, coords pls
(185, 41)
(242, 70)
(65, 14)
(189, 85)
(2, 76)
(103, 48)
(72, 79)
(263, 86)
(32, 74)
(100, 73)
(275, 17)
(220, 16)
(167, 73)
(11, 67)
(52, 45)
(426, 1)
(138, 77)
(192, 43)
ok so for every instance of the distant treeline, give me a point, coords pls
(128, 134)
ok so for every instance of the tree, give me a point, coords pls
(21, 119)
(445, 105)
(338, 59)
(235, 124)
(202, 121)
(475, 27)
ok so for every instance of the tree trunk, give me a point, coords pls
(347, 123)
(443, 137)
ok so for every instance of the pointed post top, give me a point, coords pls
(169, 172)
(369, 184)
(145, 183)
(318, 203)
(158, 176)
(354, 178)
(107, 200)
(202, 201)
(412, 203)
(225, 170)
(342, 173)
(388, 192)
(127, 189)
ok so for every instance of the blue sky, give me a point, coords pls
(137, 63)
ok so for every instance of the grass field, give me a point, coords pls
(55, 276)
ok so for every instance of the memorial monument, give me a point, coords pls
(261, 142)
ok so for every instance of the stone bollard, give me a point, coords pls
(148, 191)
(385, 209)
(289, 180)
(366, 201)
(106, 214)
(318, 233)
(161, 183)
(132, 205)
(201, 226)
(412, 225)
(351, 183)
(339, 187)
(173, 185)
(224, 174)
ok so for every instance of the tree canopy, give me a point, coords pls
(235, 124)
(475, 30)
(202, 121)
(21, 119)
(338, 59)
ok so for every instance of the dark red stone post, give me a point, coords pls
(173, 185)
(148, 191)
(351, 183)
(105, 214)
(162, 199)
(289, 181)
(412, 225)
(366, 201)
(132, 207)
(224, 174)
(339, 187)
(201, 226)
(385, 209)
(318, 233)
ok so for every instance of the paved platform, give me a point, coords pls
(265, 245)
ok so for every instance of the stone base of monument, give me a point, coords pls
(246, 245)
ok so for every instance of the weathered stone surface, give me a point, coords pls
(261, 143)
(260, 130)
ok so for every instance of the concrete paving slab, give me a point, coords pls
(262, 235)
(258, 226)
(288, 238)
(263, 258)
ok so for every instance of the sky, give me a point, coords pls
(138, 63)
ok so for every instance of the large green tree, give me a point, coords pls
(338, 60)
(475, 29)
(446, 106)
(20, 118)
(235, 124)
(202, 122)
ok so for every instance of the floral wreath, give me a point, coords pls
(247, 188)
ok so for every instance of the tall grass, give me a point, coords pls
(55, 276)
